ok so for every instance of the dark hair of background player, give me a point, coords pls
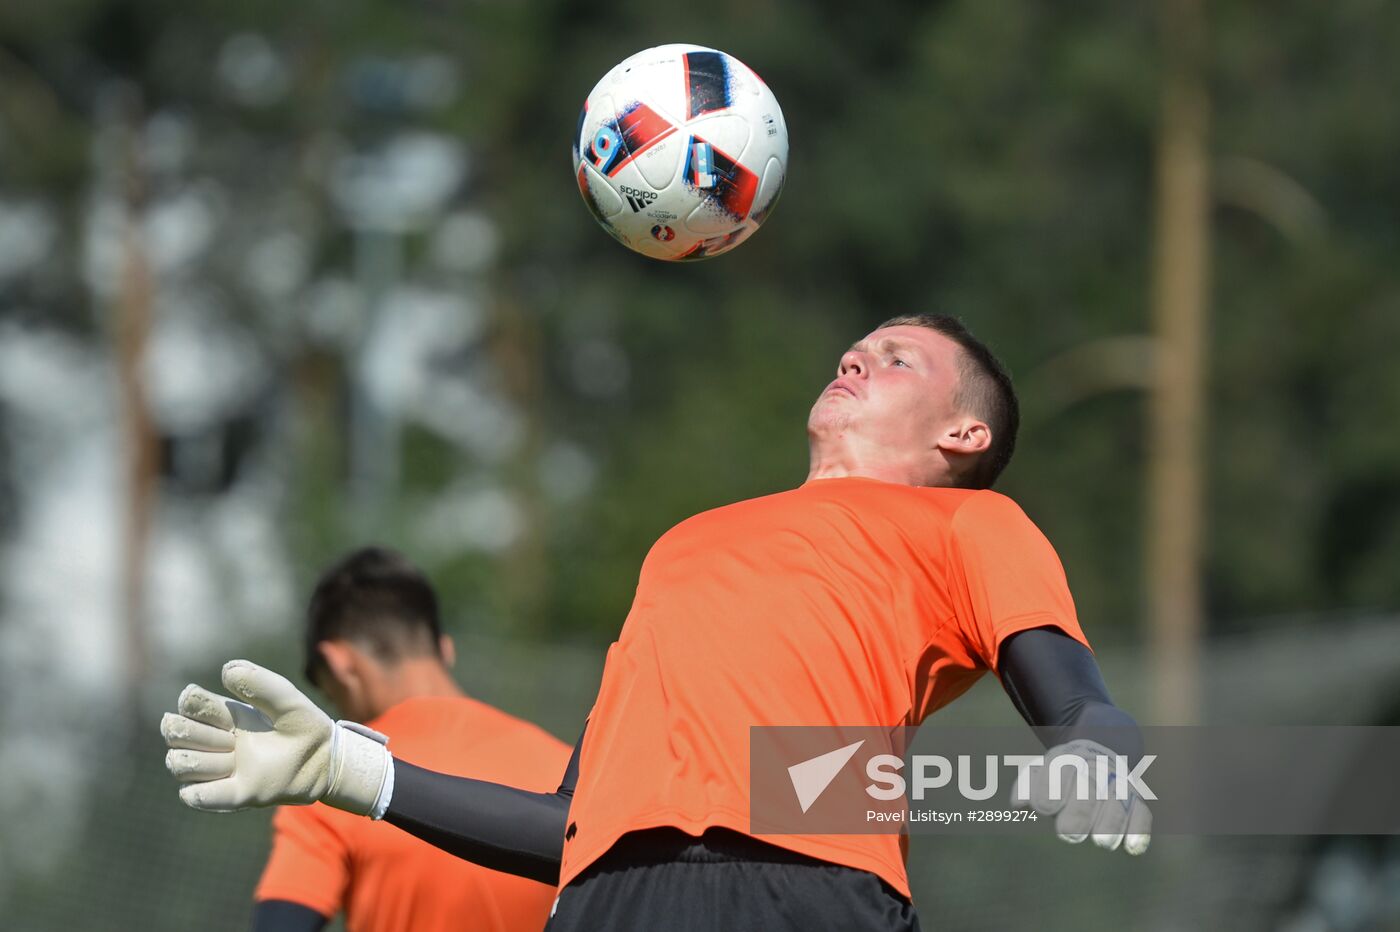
(380, 601)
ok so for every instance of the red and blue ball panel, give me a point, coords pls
(707, 83)
(726, 183)
(620, 140)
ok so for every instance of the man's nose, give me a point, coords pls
(853, 363)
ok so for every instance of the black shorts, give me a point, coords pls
(724, 881)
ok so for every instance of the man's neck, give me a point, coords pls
(413, 679)
(851, 467)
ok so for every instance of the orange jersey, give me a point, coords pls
(385, 879)
(842, 602)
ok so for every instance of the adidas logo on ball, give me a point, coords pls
(637, 199)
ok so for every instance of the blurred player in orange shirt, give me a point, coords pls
(374, 646)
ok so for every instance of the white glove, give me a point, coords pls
(1111, 822)
(277, 748)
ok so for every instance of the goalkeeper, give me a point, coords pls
(878, 591)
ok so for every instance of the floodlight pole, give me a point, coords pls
(1177, 419)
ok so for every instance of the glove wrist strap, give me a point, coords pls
(362, 770)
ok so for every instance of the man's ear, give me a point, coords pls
(448, 649)
(341, 661)
(965, 437)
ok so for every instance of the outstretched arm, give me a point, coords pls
(277, 747)
(496, 826)
(1054, 682)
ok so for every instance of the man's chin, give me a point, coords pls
(826, 420)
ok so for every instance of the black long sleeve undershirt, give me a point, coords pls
(1053, 681)
(496, 826)
(286, 916)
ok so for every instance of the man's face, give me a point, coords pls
(893, 395)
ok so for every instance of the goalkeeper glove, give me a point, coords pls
(275, 748)
(1112, 822)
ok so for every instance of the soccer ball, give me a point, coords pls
(680, 152)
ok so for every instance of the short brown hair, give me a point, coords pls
(984, 389)
(377, 599)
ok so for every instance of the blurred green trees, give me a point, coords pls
(988, 160)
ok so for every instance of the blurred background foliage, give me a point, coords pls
(989, 160)
(376, 310)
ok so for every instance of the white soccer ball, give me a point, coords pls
(680, 152)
